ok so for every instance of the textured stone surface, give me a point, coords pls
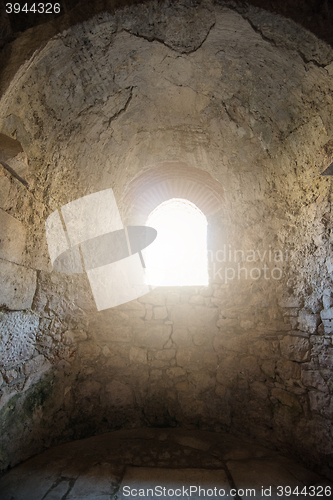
(18, 335)
(127, 463)
(18, 285)
(308, 322)
(12, 240)
(241, 96)
(295, 348)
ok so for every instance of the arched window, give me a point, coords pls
(178, 256)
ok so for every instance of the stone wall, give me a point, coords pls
(247, 99)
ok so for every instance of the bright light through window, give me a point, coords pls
(178, 256)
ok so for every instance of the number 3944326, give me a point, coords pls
(36, 8)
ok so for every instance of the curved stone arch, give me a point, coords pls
(173, 179)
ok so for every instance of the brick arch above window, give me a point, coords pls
(173, 180)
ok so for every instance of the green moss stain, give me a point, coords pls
(38, 396)
(8, 409)
(19, 410)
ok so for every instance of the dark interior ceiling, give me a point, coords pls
(18, 43)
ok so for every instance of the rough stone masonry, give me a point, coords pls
(244, 95)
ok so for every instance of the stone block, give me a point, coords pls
(117, 362)
(152, 336)
(216, 302)
(160, 312)
(287, 399)
(264, 349)
(231, 342)
(225, 323)
(319, 341)
(181, 314)
(228, 370)
(248, 367)
(88, 389)
(4, 189)
(6, 394)
(259, 390)
(169, 343)
(79, 335)
(119, 334)
(210, 358)
(155, 375)
(220, 293)
(290, 301)
(325, 358)
(206, 291)
(329, 264)
(135, 307)
(181, 336)
(268, 367)
(182, 386)
(291, 311)
(88, 350)
(106, 351)
(172, 298)
(154, 298)
(159, 364)
(112, 325)
(321, 403)
(187, 357)
(138, 355)
(36, 366)
(327, 302)
(18, 286)
(311, 378)
(202, 381)
(67, 337)
(13, 236)
(149, 315)
(247, 325)
(293, 321)
(18, 332)
(205, 315)
(327, 325)
(300, 333)
(118, 394)
(165, 354)
(10, 375)
(295, 348)
(204, 336)
(327, 313)
(308, 322)
(197, 299)
(175, 372)
(221, 390)
(288, 369)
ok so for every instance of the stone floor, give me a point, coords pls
(161, 463)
